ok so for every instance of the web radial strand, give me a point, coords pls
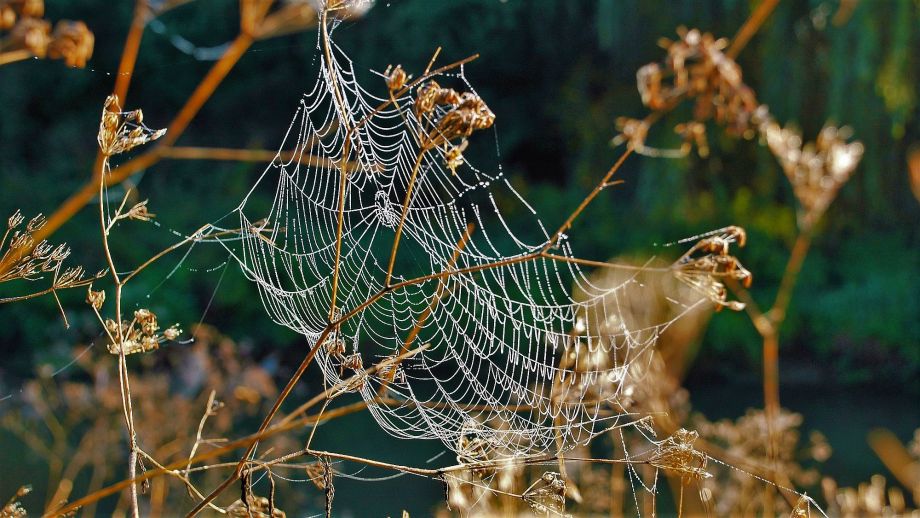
(494, 369)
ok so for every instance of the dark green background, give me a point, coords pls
(556, 73)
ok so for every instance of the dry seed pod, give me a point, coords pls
(73, 42)
(256, 507)
(816, 170)
(709, 261)
(677, 454)
(95, 298)
(395, 78)
(31, 34)
(122, 131)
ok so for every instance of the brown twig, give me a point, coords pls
(750, 27)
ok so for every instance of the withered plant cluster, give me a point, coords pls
(191, 400)
(25, 259)
(24, 33)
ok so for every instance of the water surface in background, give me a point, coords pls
(845, 415)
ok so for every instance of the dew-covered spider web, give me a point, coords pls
(478, 317)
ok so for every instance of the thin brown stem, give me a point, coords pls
(750, 27)
(13, 56)
(405, 211)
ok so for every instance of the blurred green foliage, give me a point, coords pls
(557, 73)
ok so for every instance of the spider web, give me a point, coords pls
(488, 381)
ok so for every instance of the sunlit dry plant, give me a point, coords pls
(547, 495)
(696, 68)
(28, 260)
(140, 335)
(676, 454)
(14, 509)
(816, 170)
(733, 491)
(873, 498)
(123, 131)
(708, 263)
(446, 116)
(192, 398)
(254, 507)
(31, 36)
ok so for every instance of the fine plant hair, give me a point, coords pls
(496, 470)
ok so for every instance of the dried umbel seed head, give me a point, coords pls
(36, 223)
(172, 332)
(73, 42)
(453, 157)
(95, 298)
(15, 220)
(709, 262)
(816, 170)
(122, 131)
(677, 454)
(696, 68)
(72, 277)
(139, 212)
(547, 494)
(396, 78)
(470, 115)
(254, 507)
(431, 95)
(31, 34)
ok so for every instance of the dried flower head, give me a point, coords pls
(547, 494)
(73, 42)
(709, 262)
(139, 212)
(14, 509)
(677, 454)
(453, 157)
(696, 68)
(471, 114)
(122, 131)
(31, 34)
(254, 507)
(396, 78)
(431, 95)
(816, 170)
(140, 335)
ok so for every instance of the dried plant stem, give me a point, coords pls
(123, 378)
(750, 27)
(14, 55)
(410, 188)
(130, 50)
